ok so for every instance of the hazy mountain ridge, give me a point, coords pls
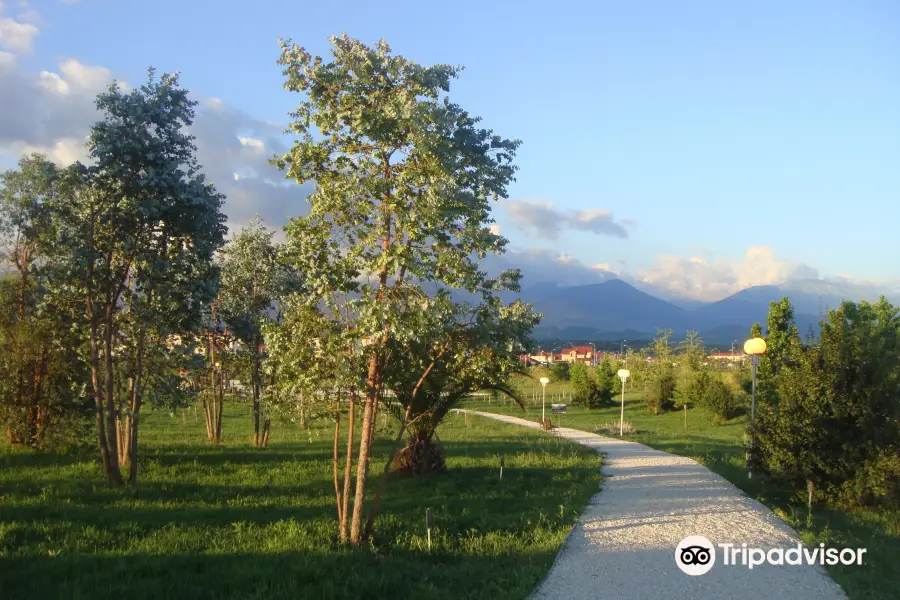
(616, 309)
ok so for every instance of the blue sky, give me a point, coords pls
(710, 128)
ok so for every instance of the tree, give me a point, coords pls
(140, 232)
(460, 350)
(718, 399)
(690, 388)
(692, 351)
(559, 371)
(780, 335)
(584, 388)
(253, 279)
(403, 179)
(835, 424)
(40, 337)
(756, 331)
(659, 382)
(607, 381)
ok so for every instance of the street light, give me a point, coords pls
(623, 374)
(544, 382)
(755, 347)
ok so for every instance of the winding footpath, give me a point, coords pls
(623, 545)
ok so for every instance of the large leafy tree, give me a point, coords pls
(40, 337)
(252, 282)
(404, 179)
(141, 232)
(835, 423)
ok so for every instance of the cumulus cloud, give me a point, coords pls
(549, 222)
(18, 35)
(703, 279)
(52, 111)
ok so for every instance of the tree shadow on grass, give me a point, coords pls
(320, 573)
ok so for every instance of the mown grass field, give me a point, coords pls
(720, 448)
(229, 521)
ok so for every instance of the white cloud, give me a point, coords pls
(252, 143)
(16, 36)
(52, 82)
(495, 229)
(52, 112)
(89, 79)
(549, 222)
(703, 279)
(7, 61)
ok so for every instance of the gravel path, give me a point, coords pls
(623, 546)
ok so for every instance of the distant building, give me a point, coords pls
(540, 358)
(727, 357)
(585, 354)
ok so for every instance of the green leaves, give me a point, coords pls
(835, 410)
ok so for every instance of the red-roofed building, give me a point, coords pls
(583, 354)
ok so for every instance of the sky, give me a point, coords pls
(697, 147)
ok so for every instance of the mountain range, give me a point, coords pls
(615, 309)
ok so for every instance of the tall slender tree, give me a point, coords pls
(253, 280)
(141, 232)
(404, 179)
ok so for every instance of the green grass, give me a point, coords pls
(720, 448)
(228, 521)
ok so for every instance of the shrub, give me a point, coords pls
(612, 428)
(876, 483)
(586, 389)
(719, 400)
(659, 391)
(833, 421)
(559, 371)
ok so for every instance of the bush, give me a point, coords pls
(612, 428)
(559, 371)
(833, 420)
(876, 483)
(659, 391)
(586, 390)
(719, 400)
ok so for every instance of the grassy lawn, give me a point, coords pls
(720, 448)
(230, 522)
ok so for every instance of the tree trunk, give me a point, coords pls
(114, 475)
(265, 435)
(362, 468)
(254, 376)
(382, 480)
(136, 399)
(344, 511)
(212, 402)
(335, 455)
(35, 424)
(105, 457)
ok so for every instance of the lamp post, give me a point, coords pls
(755, 347)
(623, 374)
(544, 382)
